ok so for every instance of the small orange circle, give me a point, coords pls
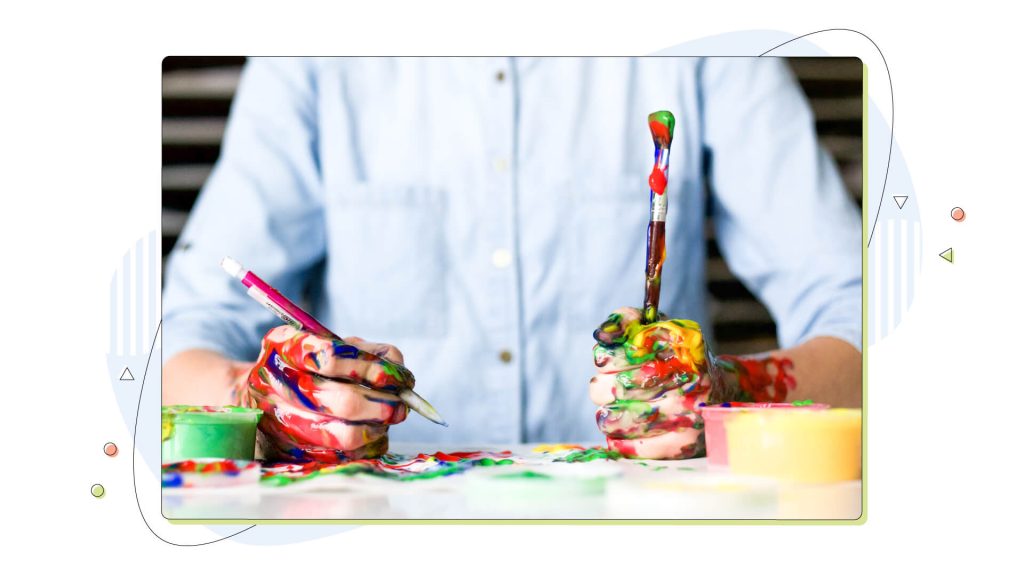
(958, 214)
(110, 449)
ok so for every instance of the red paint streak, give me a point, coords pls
(625, 448)
(764, 380)
(658, 180)
(660, 132)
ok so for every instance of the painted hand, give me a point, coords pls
(650, 382)
(323, 399)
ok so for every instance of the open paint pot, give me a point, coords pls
(191, 432)
(796, 445)
(714, 424)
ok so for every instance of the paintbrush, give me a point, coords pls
(662, 125)
(292, 314)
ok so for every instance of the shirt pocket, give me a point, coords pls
(386, 260)
(608, 244)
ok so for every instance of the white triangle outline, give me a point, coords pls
(126, 376)
(900, 203)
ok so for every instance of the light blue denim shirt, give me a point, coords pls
(486, 214)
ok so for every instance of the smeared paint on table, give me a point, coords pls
(567, 481)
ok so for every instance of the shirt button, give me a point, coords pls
(500, 165)
(501, 258)
(500, 76)
(505, 356)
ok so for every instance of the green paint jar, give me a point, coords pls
(189, 432)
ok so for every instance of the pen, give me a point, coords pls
(288, 311)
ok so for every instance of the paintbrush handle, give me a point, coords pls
(662, 125)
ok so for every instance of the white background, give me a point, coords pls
(80, 181)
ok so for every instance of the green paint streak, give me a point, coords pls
(493, 462)
(435, 473)
(803, 403)
(634, 407)
(589, 455)
(660, 468)
(354, 469)
(524, 475)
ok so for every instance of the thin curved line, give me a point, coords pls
(892, 110)
(135, 433)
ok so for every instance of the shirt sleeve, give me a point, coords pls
(261, 205)
(784, 222)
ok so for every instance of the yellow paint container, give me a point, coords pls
(796, 445)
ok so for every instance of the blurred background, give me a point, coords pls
(197, 93)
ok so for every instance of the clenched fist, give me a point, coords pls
(651, 380)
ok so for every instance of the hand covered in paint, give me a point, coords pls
(649, 385)
(326, 400)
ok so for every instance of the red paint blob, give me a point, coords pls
(658, 181)
(660, 132)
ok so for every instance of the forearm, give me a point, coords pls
(203, 378)
(823, 369)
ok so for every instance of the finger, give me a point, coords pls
(639, 419)
(334, 358)
(678, 344)
(610, 358)
(647, 382)
(306, 452)
(290, 426)
(354, 403)
(686, 443)
(613, 330)
(358, 404)
(385, 351)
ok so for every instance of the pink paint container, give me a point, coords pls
(714, 424)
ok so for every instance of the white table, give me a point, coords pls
(600, 490)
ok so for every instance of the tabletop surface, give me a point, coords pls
(531, 483)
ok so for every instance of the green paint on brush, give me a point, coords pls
(663, 126)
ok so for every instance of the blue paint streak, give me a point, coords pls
(287, 380)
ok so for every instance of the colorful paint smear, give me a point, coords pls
(209, 473)
(388, 466)
(549, 448)
(764, 379)
(589, 455)
(662, 125)
(331, 419)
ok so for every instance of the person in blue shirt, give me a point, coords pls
(483, 215)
